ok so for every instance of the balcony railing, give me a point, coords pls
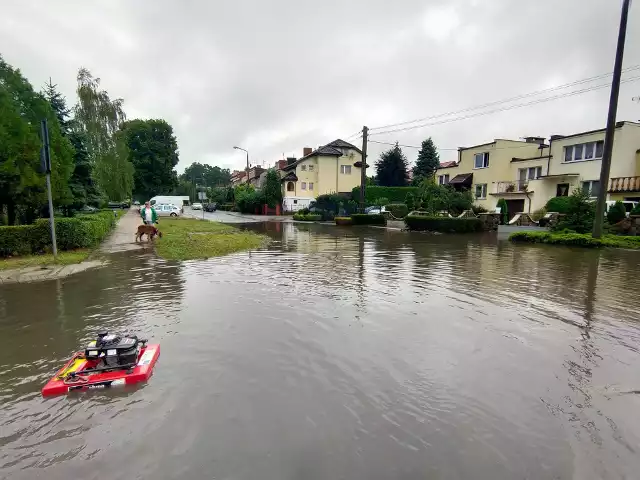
(624, 184)
(511, 186)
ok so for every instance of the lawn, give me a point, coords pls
(64, 258)
(576, 239)
(188, 239)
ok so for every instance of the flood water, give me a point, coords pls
(337, 354)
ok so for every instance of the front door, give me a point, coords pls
(515, 206)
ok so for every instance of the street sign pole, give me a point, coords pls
(46, 164)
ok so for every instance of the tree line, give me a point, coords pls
(96, 153)
(392, 167)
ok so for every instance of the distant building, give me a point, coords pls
(238, 177)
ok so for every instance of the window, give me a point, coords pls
(592, 187)
(345, 169)
(311, 168)
(562, 190)
(584, 151)
(303, 185)
(303, 168)
(443, 179)
(481, 160)
(532, 173)
(290, 187)
(481, 190)
(310, 185)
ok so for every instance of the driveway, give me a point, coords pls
(233, 217)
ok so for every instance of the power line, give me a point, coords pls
(529, 145)
(511, 107)
(507, 100)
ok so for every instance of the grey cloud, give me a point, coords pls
(277, 76)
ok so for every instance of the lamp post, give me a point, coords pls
(247, 152)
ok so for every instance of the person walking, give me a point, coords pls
(148, 214)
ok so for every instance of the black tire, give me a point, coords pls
(174, 214)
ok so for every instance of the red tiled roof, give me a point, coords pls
(448, 164)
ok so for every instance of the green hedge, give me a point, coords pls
(82, 231)
(308, 217)
(343, 221)
(368, 219)
(398, 210)
(576, 239)
(558, 205)
(394, 194)
(443, 224)
(226, 207)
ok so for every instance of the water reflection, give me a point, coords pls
(338, 353)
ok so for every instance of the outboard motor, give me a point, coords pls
(114, 351)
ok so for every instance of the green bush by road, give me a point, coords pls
(307, 217)
(443, 224)
(576, 239)
(368, 219)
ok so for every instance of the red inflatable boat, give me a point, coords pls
(109, 361)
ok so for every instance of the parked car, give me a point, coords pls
(375, 210)
(136, 203)
(628, 205)
(210, 207)
(88, 209)
(122, 205)
(164, 210)
(196, 206)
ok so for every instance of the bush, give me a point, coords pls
(226, 207)
(398, 210)
(580, 213)
(343, 221)
(434, 198)
(558, 205)
(616, 213)
(410, 201)
(393, 194)
(477, 209)
(82, 231)
(504, 211)
(539, 214)
(368, 219)
(575, 239)
(635, 210)
(309, 217)
(381, 202)
(443, 224)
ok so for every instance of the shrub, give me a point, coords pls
(635, 210)
(435, 198)
(410, 201)
(309, 217)
(367, 219)
(394, 194)
(343, 221)
(478, 209)
(558, 205)
(616, 213)
(381, 202)
(504, 211)
(575, 239)
(226, 207)
(580, 213)
(443, 224)
(539, 214)
(398, 210)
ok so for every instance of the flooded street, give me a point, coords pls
(336, 354)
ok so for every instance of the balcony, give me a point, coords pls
(624, 184)
(510, 187)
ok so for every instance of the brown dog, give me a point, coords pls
(149, 230)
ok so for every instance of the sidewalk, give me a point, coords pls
(123, 237)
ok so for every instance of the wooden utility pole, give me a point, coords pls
(611, 123)
(45, 158)
(363, 168)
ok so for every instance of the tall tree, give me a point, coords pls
(22, 186)
(81, 184)
(272, 188)
(99, 118)
(153, 152)
(392, 168)
(204, 174)
(427, 163)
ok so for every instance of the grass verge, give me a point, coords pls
(576, 240)
(188, 239)
(64, 258)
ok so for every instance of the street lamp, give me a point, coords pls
(247, 152)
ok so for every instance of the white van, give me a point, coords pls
(179, 201)
(628, 205)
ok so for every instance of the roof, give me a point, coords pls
(516, 159)
(589, 132)
(328, 150)
(448, 164)
(289, 177)
(558, 175)
(462, 178)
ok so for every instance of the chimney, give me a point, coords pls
(280, 164)
(291, 160)
(307, 151)
(538, 140)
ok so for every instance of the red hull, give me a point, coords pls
(141, 372)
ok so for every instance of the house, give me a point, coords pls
(254, 175)
(499, 169)
(575, 162)
(238, 177)
(328, 169)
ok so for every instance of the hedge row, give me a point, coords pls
(82, 231)
(368, 219)
(443, 224)
(398, 210)
(307, 217)
(343, 221)
(226, 207)
(576, 239)
(393, 194)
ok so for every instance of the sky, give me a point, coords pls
(276, 76)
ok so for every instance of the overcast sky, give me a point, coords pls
(275, 76)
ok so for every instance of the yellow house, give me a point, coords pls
(329, 169)
(499, 169)
(576, 161)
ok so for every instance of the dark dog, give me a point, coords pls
(149, 230)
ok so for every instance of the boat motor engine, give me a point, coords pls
(114, 351)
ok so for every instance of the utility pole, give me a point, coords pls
(45, 159)
(363, 168)
(611, 122)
